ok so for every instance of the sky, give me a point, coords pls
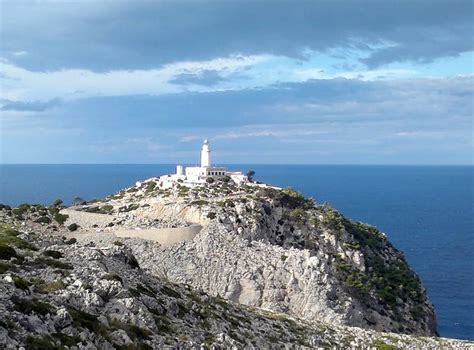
(275, 82)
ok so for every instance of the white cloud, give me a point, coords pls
(258, 131)
(317, 73)
(237, 72)
(19, 84)
(19, 53)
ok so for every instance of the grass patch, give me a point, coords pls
(41, 343)
(49, 287)
(381, 345)
(133, 331)
(9, 236)
(43, 262)
(21, 283)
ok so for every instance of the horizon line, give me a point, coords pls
(274, 164)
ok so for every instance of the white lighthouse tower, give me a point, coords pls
(205, 155)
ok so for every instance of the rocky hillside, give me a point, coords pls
(59, 293)
(269, 266)
(275, 249)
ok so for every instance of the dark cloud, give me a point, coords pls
(128, 35)
(205, 78)
(29, 106)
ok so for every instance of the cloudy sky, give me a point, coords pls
(325, 82)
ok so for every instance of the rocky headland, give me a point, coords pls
(214, 266)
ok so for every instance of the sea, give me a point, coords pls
(426, 212)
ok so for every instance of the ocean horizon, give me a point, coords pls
(426, 211)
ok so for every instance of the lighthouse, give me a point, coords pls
(205, 155)
(194, 175)
(197, 175)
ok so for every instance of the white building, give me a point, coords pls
(196, 175)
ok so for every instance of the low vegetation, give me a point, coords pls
(9, 237)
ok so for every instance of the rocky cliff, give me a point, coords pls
(269, 268)
(278, 250)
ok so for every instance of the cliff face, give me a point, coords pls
(278, 250)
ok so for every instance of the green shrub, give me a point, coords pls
(73, 227)
(133, 331)
(84, 320)
(53, 210)
(211, 215)
(53, 254)
(9, 236)
(43, 220)
(70, 241)
(41, 262)
(7, 252)
(225, 179)
(107, 208)
(170, 292)
(21, 209)
(130, 207)
(60, 218)
(112, 277)
(41, 343)
(4, 267)
(226, 203)
(150, 186)
(67, 340)
(21, 283)
(199, 202)
(299, 215)
(5, 207)
(290, 198)
(118, 243)
(28, 306)
(57, 203)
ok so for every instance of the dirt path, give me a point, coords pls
(164, 236)
(87, 220)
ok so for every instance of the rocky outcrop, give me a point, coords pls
(275, 249)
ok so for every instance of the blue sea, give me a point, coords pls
(426, 211)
